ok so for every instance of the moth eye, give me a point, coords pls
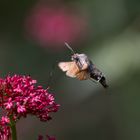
(77, 59)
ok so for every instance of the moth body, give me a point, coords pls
(82, 68)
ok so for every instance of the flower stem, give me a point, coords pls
(13, 129)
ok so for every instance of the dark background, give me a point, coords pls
(111, 39)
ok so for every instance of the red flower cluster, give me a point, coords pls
(19, 97)
(4, 128)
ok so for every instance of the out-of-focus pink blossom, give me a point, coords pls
(51, 137)
(47, 136)
(52, 26)
(40, 137)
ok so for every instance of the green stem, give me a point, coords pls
(13, 129)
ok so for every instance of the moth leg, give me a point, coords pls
(94, 80)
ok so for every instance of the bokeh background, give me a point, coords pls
(32, 36)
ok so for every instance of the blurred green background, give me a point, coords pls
(111, 39)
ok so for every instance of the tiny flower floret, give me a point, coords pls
(4, 120)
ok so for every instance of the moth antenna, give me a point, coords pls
(68, 46)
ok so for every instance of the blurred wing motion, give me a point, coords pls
(70, 68)
(83, 75)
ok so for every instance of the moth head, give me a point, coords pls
(77, 56)
(81, 59)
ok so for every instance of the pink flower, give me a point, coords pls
(4, 128)
(8, 104)
(21, 109)
(4, 120)
(19, 97)
(53, 26)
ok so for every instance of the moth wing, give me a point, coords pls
(71, 68)
(83, 75)
(64, 66)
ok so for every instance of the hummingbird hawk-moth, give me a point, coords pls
(82, 68)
